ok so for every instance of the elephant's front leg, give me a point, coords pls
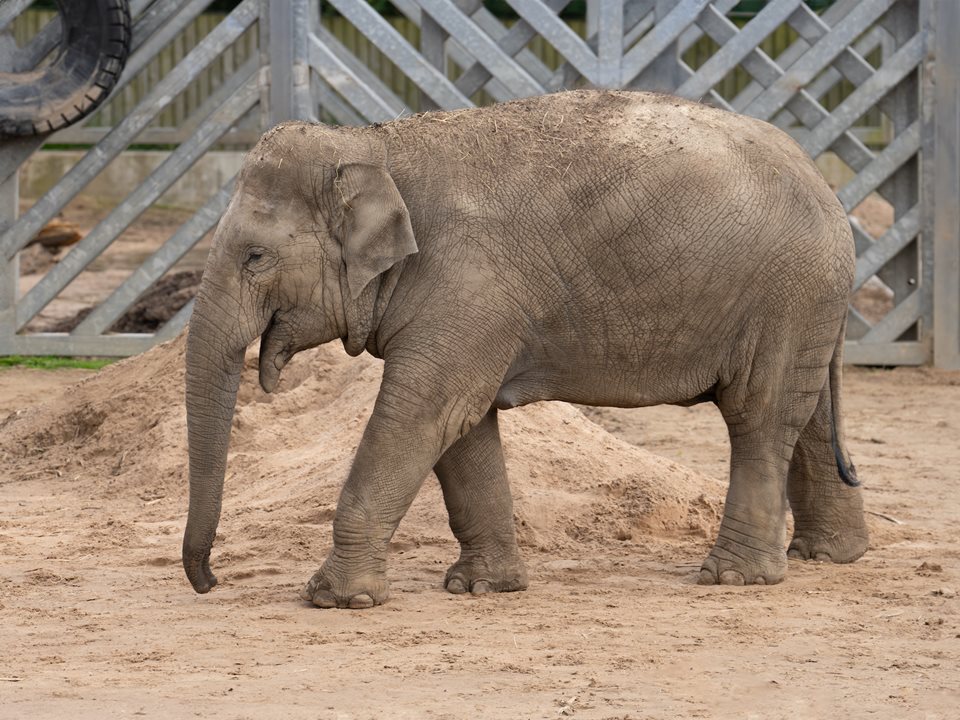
(392, 461)
(473, 476)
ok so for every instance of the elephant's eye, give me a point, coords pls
(258, 259)
(254, 256)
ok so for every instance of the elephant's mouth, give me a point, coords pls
(274, 352)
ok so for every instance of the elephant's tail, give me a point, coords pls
(848, 473)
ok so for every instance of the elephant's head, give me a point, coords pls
(314, 221)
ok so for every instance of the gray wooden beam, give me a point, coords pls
(500, 64)
(737, 48)
(903, 62)
(512, 41)
(119, 345)
(108, 229)
(886, 247)
(766, 72)
(280, 49)
(392, 44)
(357, 87)
(663, 34)
(885, 354)
(946, 168)
(9, 268)
(904, 146)
(556, 32)
(9, 10)
(153, 268)
(802, 72)
(896, 322)
(123, 134)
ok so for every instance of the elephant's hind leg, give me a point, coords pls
(827, 513)
(473, 476)
(764, 414)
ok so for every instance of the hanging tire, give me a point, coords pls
(94, 45)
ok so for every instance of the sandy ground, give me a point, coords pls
(614, 517)
(97, 619)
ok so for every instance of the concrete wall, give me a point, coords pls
(126, 172)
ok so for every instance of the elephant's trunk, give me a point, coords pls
(214, 362)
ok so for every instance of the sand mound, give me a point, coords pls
(120, 437)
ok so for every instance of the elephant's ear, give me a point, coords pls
(375, 230)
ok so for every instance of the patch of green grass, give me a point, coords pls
(53, 362)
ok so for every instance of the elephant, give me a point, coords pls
(611, 248)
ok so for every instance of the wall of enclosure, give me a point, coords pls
(869, 87)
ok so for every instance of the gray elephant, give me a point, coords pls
(603, 248)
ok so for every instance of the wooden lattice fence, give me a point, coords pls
(870, 85)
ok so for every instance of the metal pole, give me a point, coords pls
(946, 219)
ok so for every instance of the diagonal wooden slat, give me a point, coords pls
(10, 9)
(802, 72)
(904, 61)
(175, 325)
(559, 34)
(123, 134)
(108, 229)
(656, 41)
(862, 240)
(886, 247)
(489, 24)
(513, 42)
(17, 150)
(804, 107)
(903, 147)
(857, 325)
(639, 17)
(392, 44)
(737, 48)
(330, 101)
(481, 46)
(692, 34)
(153, 268)
(897, 321)
(356, 86)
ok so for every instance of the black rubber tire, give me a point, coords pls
(94, 45)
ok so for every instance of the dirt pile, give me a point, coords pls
(122, 435)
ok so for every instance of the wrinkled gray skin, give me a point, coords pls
(605, 248)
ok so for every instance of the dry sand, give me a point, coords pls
(97, 619)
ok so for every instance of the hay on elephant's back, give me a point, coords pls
(122, 433)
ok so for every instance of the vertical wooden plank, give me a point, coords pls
(9, 269)
(281, 53)
(610, 41)
(663, 74)
(432, 42)
(191, 99)
(180, 102)
(902, 274)
(946, 233)
(202, 85)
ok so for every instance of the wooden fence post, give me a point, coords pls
(946, 221)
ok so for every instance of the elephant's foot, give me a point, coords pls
(840, 545)
(736, 563)
(480, 575)
(334, 587)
